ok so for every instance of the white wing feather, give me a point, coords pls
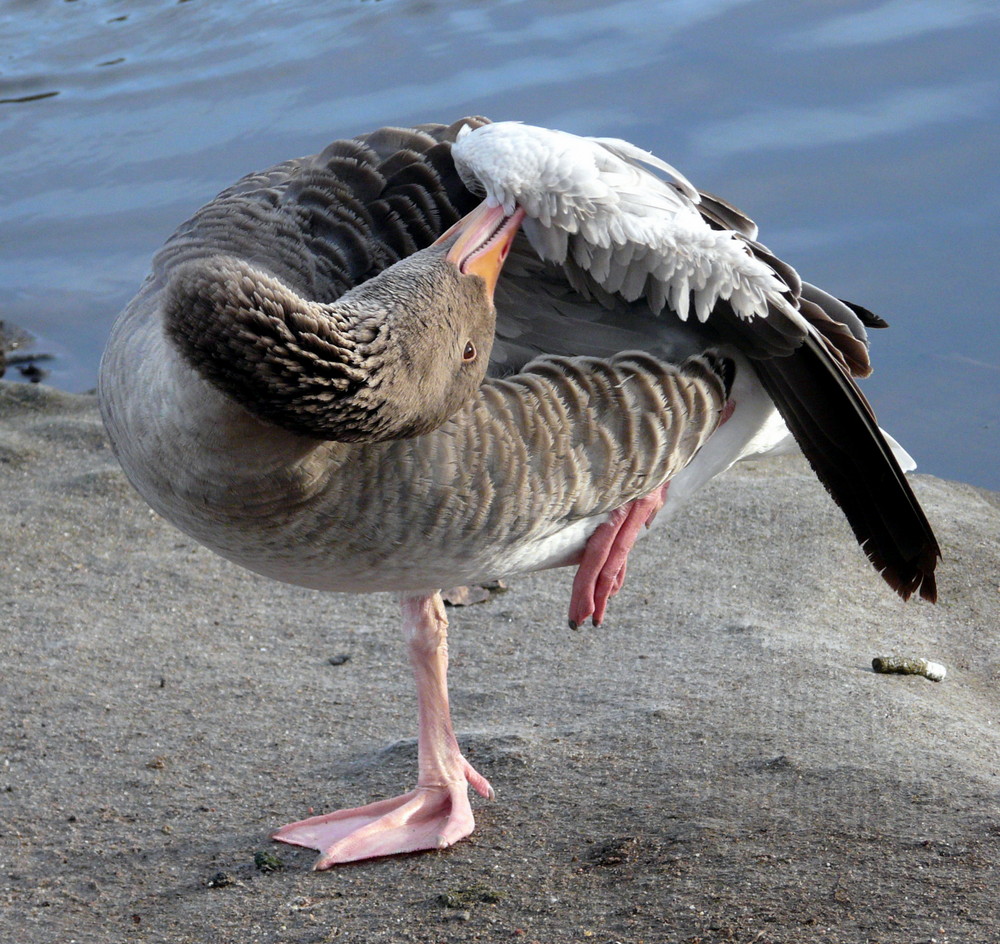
(592, 200)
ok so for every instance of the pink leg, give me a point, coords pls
(435, 814)
(601, 573)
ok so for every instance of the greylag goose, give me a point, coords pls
(328, 379)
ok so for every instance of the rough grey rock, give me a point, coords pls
(718, 762)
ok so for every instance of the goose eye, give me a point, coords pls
(470, 352)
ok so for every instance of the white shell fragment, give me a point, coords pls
(900, 665)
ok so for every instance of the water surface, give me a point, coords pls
(863, 137)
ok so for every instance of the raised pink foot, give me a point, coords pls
(601, 573)
(431, 817)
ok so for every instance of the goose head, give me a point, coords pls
(393, 358)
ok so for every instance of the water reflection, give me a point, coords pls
(862, 136)
(897, 20)
(895, 113)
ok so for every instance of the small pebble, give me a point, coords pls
(267, 862)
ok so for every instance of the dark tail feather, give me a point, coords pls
(836, 429)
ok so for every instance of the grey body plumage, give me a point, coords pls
(279, 327)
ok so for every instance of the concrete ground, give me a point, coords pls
(717, 763)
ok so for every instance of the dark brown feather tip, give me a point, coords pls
(836, 429)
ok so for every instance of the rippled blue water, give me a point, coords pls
(863, 137)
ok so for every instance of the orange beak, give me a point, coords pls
(484, 240)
